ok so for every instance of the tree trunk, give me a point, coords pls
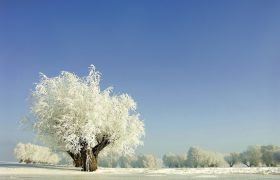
(89, 161)
(87, 158)
(77, 160)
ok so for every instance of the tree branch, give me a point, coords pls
(104, 142)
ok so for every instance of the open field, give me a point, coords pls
(16, 170)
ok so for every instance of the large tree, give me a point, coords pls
(73, 114)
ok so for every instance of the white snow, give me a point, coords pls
(23, 169)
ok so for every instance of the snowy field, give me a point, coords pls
(23, 171)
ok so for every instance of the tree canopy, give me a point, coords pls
(73, 114)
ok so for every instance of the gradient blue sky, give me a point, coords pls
(204, 73)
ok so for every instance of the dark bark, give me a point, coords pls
(87, 158)
(77, 160)
(96, 149)
(89, 161)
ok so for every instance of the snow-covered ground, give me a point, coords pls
(14, 170)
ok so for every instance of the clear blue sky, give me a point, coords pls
(204, 73)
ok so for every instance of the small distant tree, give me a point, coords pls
(30, 153)
(252, 156)
(195, 157)
(267, 155)
(74, 115)
(201, 158)
(232, 159)
(213, 159)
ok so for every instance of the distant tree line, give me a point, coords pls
(31, 153)
(195, 157)
(256, 156)
(253, 156)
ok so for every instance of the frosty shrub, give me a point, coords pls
(74, 115)
(30, 153)
(252, 156)
(232, 159)
(174, 160)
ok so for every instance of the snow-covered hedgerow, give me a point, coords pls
(30, 153)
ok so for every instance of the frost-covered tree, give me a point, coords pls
(212, 159)
(267, 155)
(174, 160)
(252, 156)
(73, 114)
(201, 158)
(30, 153)
(232, 159)
(195, 157)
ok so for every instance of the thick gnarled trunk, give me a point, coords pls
(89, 161)
(87, 158)
(77, 160)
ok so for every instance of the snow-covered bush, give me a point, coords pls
(30, 153)
(73, 114)
(174, 160)
(252, 156)
(232, 159)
